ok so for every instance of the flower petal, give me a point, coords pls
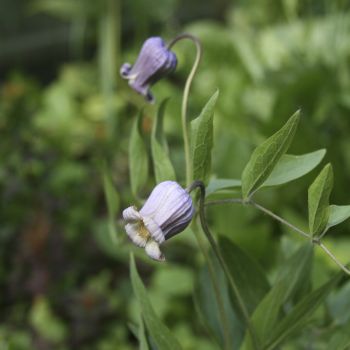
(153, 251)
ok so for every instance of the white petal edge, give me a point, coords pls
(153, 251)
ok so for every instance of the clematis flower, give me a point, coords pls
(167, 211)
(154, 62)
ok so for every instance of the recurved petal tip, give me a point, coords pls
(153, 251)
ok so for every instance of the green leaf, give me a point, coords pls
(221, 184)
(208, 308)
(266, 156)
(163, 169)
(251, 281)
(202, 140)
(143, 344)
(318, 200)
(292, 167)
(162, 336)
(293, 274)
(138, 157)
(338, 214)
(300, 314)
(340, 339)
(113, 202)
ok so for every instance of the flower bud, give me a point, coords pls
(154, 62)
(167, 211)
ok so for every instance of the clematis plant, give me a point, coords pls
(170, 209)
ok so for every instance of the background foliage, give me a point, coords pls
(65, 117)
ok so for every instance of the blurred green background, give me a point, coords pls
(65, 115)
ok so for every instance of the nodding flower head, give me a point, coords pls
(167, 211)
(154, 62)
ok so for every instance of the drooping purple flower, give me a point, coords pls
(167, 211)
(154, 62)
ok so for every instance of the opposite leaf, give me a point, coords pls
(202, 140)
(163, 169)
(338, 214)
(318, 200)
(160, 333)
(138, 158)
(266, 156)
(291, 167)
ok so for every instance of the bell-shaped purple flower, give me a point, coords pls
(154, 62)
(167, 211)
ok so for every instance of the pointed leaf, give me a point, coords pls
(250, 279)
(265, 157)
(163, 169)
(161, 334)
(292, 167)
(338, 214)
(202, 140)
(113, 202)
(138, 157)
(318, 200)
(300, 314)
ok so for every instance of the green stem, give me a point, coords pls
(215, 283)
(316, 241)
(209, 236)
(184, 119)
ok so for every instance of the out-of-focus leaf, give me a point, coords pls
(208, 308)
(338, 214)
(300, 314)
(45, 322)
(318, 200)
(340, 339)
(142, 335)
(291, 167)
(251, 281)
(68, 9)
(160, 333)
(202, 140)
(163, 169)
(338, 302)
(221, 184)
(138, 158)
(266, 156)
(113, 202)
(291, 277)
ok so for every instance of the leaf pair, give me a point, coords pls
(266, 156)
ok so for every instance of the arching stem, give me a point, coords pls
(184, 119)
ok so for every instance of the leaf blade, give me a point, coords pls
(265, 156)
(337, 214)
(202, 140)
(318, 200)
(291, 167)
(160, 333)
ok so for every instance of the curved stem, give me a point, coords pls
(234, 287)
(184, 119)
